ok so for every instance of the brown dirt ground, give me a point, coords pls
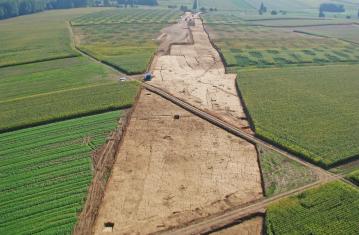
(249, 227)
(196, 74)
(172, 171)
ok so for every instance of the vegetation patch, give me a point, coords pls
(124, 38)
(330, 209)
(50, 91)
(255, 46)
(37, 37)
(45, 173)
(354, 176)
(281, 174)
(309, 110)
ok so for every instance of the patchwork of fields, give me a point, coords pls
(330, 209)
(45, 172)
(125, 39)
(255, 46)
(309, 110)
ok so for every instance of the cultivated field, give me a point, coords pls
(309, 110)
(250, 46)
(125, 39)
(43, 92)
(346, 32)
(171, 171)
(37, 37)
(281, 174)
(330, 209)
(45, 172)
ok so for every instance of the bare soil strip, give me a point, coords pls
(173, 168)
(248, 227)
(195, 73)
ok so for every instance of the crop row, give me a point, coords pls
(43, 191)
(330, 209)
(309, 110)
(66, 104)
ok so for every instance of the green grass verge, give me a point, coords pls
(330, 209)
(45, 173)
(354, 177)
(281, 174)
(309, 110)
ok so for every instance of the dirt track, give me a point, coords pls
(248, 227)
(172, 171)
(196, 74)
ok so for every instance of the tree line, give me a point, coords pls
(12, 8)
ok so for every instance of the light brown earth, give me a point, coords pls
(171, 171)
(196, 74)
(249, 227)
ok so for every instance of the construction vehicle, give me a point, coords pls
(148, 77)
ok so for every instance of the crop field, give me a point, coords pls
(249, 46)
(227, 4)
(346, 32)
(23, 81)
(45, 173)
(166, 3)
(64, 104)
(330, 209)
(354, 176)
(300, 22)
(124, 39)
(281, 174)
(37, 37)
(309, 110)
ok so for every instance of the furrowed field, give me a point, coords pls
(49, 91)
(123, 38)
(45, 173)
(37, 37)
(330, 209)
(255, 46)
(309, 110)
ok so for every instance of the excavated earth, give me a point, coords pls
(173, 168)
(194, 72)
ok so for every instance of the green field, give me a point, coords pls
(354, 176)
(255, 46)
(331, 210)
(65, 104)
(309, 110)
(24, 81)
(37, 37)
(281, 174)
(123, 38)
(346, 32)
(45, 173)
